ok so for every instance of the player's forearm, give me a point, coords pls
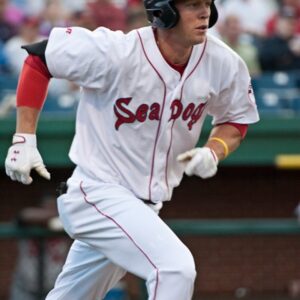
(224, 139)
(27, 119)
(31, 93)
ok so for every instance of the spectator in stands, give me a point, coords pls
(82, 18)
(232, 34)
(7, 30)
(28, 34)
(253, 14)
(281, 51)
(25, 284)
(30, 7)
(54, 15)
(13, 14)
(136, 17)
(271, 24)
(105, 13)
(74, 5)
(36, 7)
(132, 3)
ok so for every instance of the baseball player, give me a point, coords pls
(144, 97)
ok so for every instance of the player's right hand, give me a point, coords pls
(22, 157)
(202, 162)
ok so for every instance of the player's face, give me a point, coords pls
(193, 21)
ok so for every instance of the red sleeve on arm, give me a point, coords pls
(33, 83)
(243, 128)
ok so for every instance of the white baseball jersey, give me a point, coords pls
(137, 113)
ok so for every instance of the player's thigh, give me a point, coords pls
(138, 240)
(126, 230)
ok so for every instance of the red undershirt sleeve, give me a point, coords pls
(33, 83)
(243, 128)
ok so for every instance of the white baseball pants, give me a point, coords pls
(114, 233)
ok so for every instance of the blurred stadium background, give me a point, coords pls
(241, 225)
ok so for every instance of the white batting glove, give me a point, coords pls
(22, 157)
(202, 162)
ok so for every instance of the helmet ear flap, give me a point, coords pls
(161, 13)
(169, 15)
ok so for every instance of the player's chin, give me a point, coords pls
(199, 36)
(199, 39)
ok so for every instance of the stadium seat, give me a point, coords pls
(59, 104)
(63, 104)
(277, 92)
(8, 85)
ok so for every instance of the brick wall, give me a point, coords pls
(259, 264)
(264, 263)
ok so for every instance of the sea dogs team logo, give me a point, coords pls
(189, 113)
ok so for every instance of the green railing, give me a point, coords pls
(206, 227)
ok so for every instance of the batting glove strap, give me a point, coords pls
(24, 138)
(203, 162)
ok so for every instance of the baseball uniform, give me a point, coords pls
(136, 115)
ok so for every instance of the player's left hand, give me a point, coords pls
(202, 162)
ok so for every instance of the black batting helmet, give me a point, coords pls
(164, 14)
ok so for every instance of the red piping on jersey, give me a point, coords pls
(181, 92)
(125, 232)
(159, 123)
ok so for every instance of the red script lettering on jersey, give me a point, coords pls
(191, 113)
